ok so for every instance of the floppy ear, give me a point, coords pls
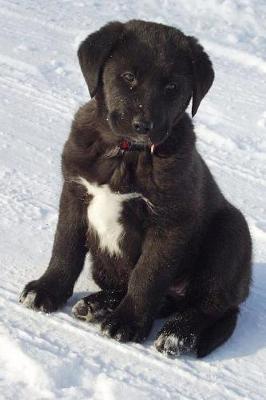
(94, 51)
(203, 74)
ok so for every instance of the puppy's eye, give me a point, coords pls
(170, 87)
(129, 77)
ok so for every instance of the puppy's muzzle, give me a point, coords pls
(142, 126)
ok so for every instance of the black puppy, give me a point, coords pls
(137, 195)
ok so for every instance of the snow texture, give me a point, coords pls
(59, 357)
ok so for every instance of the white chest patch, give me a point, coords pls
(104, 212)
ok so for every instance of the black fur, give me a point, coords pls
(189, 254)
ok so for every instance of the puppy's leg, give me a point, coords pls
(219, 285)
(170, 306)
(96, 306)
(55, 286)
(149, 281)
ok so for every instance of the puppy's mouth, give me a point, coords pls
(132, 142)
(145, 141)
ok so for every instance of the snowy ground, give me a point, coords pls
(55, 356)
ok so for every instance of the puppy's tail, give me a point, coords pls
(216, 334)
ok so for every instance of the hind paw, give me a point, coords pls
(87, 311)
(97, 306)
(173, 343)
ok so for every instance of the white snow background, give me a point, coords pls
(55, 356)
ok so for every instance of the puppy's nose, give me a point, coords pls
(142, 126)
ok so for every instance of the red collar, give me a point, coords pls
(125, 145)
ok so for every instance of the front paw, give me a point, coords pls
(124, 327)
(39, 296)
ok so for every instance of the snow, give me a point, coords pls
(58, 357)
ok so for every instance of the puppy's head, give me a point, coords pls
(146, 74)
